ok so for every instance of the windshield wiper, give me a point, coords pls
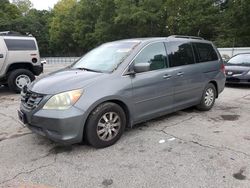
(86, 69)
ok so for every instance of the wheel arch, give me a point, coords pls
(119, 102)
(216, 87)
(20, 65)
(125, 109)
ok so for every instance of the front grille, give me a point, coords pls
(30, 100)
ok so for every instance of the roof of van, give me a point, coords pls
(169, 38)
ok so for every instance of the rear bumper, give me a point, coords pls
(38, 69)
(65, 127)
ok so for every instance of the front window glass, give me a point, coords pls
(243, 59)
(106, 57)
(155, 55)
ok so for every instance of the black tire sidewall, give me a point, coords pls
(202, 105)
(14, 74)
(91, 125)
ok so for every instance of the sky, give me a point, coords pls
(43, 4)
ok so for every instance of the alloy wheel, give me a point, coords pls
(22, 80)
(108, 126)
(209, 97)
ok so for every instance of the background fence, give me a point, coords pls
(60, 60)
(225, 53)
(229, 52)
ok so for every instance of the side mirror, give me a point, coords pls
(141, 67)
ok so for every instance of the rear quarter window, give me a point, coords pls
(205, 52)
(20, 44)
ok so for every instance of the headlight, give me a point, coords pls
(248, 73)
(63, 101)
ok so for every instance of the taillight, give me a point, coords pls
(222, 68)
(34, 60)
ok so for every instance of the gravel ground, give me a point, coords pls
(184, 149)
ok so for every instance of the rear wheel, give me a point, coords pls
(105, 125)
(19, 78)
(208, 98)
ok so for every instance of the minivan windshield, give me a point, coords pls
(242, 59)
(106, 57)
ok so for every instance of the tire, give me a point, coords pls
(24, 74)
(97, 123)
(208, 98)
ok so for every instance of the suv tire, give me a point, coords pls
(18, 77)
(208, 98)
(105, 125)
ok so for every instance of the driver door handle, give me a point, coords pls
(1, 55)
(167, 76)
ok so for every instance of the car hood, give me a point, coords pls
(64, 80)
(237, 68)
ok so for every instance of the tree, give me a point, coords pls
(104, 29)
(140, 18)
(86, 15)
(35, 22)
(8, 12)
(62, 27)
(234, 27)
(193, 17)
(75, 26)
(23, 5)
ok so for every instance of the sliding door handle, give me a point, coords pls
(1, 55)
(180, 74)
(167, 76)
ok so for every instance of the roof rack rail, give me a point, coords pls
(186, 37)
(10, 33)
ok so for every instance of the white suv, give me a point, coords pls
(19, 60)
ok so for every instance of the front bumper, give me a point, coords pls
(238, 80)
(65, 126)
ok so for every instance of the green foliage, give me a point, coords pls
(193, 17)
(23, 5)
(35, 23)
(234, 28)
(75, 26)
(8, 12)
(61, 28)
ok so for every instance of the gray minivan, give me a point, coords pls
(120, 84)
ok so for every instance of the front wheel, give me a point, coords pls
(19, 78)
(208, 98)
(105, 125)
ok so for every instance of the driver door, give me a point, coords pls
(153, 89)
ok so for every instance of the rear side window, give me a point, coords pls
(154, 54)
(20, 44)
(180, 53)
(205, 52)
